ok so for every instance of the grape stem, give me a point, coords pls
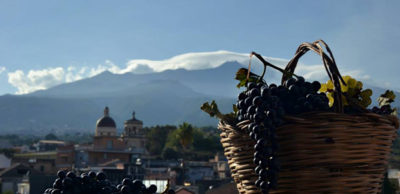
(266, 63)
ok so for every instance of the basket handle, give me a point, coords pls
(329, 64)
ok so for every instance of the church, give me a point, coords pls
(109, 146)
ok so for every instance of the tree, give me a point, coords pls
(170, 153)
(157, 137)
(50, 136)
(185, 135)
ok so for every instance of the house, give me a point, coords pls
(10, 177)
(5, 162)
(44, 162)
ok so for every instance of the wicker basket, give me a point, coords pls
(320, 152)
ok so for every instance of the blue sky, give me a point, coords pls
(53, 35)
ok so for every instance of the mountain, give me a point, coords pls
(168, 97)
(213, 82)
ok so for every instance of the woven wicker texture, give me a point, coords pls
(316, 156)
(320, 152)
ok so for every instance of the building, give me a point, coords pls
(48, 145)
(133, 135)
(10, 177)
(106, 144)
(221, 166)
(65, 158)
(5, 162)
(44, 162)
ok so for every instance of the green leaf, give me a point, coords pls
(213, 111)
(235, 109)
(386, 98)
(395, 113)
(241, 76)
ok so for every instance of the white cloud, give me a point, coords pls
(2, 69)
(45, 78)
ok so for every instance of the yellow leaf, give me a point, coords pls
(346, 78)
(359, 85)
(329, 85)
(323, 88)
(367, 92)
(330, 97)
(343, 87)
(351, 83)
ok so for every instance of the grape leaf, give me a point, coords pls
(213, 111)
(395, 113)
(241, 75)
(235, 109)
(386, 98)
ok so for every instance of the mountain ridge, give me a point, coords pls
(168, 97)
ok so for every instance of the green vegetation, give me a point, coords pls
(184, 141)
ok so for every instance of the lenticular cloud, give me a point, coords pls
(33, 80)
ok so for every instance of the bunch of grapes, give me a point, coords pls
(95, 183)
(265, 107)
(383, 110)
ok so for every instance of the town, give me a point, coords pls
(136, 153)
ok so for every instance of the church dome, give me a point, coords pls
(133, 120)
(106, 120)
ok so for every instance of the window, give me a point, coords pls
(109, 144)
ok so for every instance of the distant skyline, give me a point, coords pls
(48, 42)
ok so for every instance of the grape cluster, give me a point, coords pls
(383, 110)
(95, 183)
(265, 107)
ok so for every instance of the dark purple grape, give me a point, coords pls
(152, 189)
(71, 175)
(300, 81)
(256, 129)
(67, 182)
(290, 82)
(56, 191)
(250, 85)
(57, 183)
(265, 92)
(101, 176)
(254, 92)
(258, 182)
(257, 101)
(294, 90)
(125, 189)
(242, 96)
(248, 101)
(61, 174)
(315, 86)
(274, 91)
(127, 181)
(264, 185)
(92, 174)
(251, 109)
(260, 84)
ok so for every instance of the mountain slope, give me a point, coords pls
(213, 82)
(156, 102)
(169, 97)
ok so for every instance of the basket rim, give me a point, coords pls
(394, 120)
